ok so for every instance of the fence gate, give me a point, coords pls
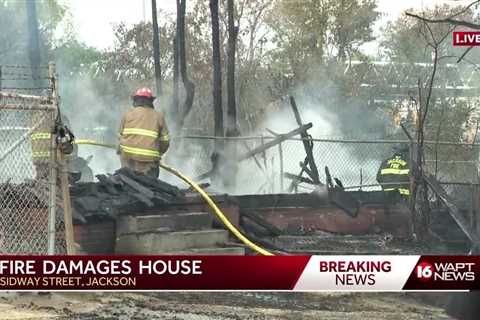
(30, 222)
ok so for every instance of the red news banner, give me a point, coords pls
(466, 38)
(296, 273)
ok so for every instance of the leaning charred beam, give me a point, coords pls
(345, 201)
(263, 147)
(263, 242)
(452, 209)
(308, 145)
(300, 130)
(298, 179)
(261, 222)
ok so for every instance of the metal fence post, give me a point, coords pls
(280, 153)
(52, 203)
(476, 209)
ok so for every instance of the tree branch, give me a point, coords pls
(455, 22)
(464, 54)
(464, 9)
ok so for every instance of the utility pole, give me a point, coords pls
(156, 49)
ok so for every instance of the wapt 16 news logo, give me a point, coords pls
(446, 271)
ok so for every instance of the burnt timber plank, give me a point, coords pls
(137, 186)
(296, 178)
(263, 242)
(262, 222)
(151, 183)
(452, 209)
(344, 201)
(143, 199)
(285, 200)
(300, 130)
(278, 200)
(307, 144)
(107, 184)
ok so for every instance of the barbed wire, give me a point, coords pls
(22, 73)
(24, 78)
(23, 67)
(24, 89)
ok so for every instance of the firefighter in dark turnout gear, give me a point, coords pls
(394, 174)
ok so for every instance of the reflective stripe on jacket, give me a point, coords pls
(143, 134)
(394, 175)
(41, 136)
(402, 191)
(41, 145)
(395, 171)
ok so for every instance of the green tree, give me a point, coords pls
(317, 31)
(408, 41)
(132, 56)
(52, 15)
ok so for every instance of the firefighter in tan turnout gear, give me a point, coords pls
(143, 135)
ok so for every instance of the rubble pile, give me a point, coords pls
(123, 192)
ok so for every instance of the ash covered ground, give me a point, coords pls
(223, 306)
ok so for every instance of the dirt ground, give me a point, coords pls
(220, 306)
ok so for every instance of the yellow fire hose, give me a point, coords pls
(217, 211)
(94, 143)
(202, 193)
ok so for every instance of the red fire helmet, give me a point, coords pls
(144, 92)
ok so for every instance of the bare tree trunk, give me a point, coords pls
(342, 41)
(34, 42)
(232, 129)
(156, 49)
(187, 84)
(217, 86)
(175, 111)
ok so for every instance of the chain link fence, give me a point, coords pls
(28, 187)
(354, 162)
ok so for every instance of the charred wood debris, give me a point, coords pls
(123, 192)
(113, 195)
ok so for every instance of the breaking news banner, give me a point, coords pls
(277, 273)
